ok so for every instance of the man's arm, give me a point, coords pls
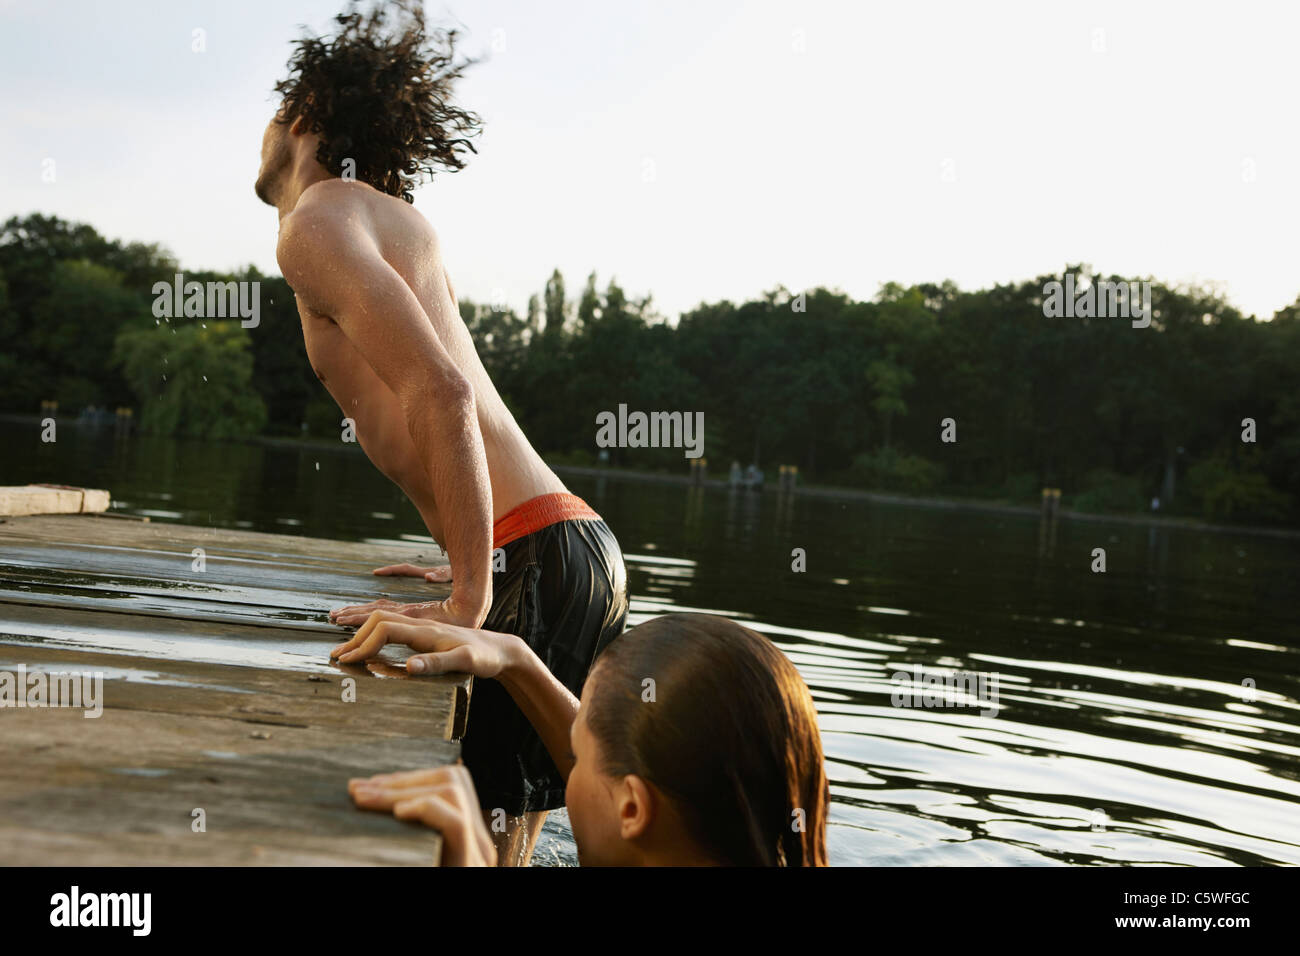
(335, 268)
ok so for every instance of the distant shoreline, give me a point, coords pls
(950, 504)
(820, 491)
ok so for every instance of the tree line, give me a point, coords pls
(1201, 409)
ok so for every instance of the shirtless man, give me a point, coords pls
(384, 335)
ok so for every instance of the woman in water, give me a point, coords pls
(695, 743)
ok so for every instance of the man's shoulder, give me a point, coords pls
(323, 212)
(337, 211)
(320, 227)
(318, 232)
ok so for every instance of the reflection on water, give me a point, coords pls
(1147, 714)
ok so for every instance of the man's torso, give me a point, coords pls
(410, 246)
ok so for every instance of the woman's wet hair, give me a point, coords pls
(727, 731)
(378, 93)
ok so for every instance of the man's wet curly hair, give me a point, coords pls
(381, 97)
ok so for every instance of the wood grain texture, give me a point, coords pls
(217, 694)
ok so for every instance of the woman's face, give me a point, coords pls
(593, 809)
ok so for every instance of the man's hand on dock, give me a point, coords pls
(442, 798)
(437, 575)
(441, 648)
(444, 611)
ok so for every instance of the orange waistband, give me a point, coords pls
(537, 513)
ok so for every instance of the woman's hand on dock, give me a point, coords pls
(438, 575)
(442, 798)
(440, 648)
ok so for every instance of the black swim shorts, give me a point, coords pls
(564, 591)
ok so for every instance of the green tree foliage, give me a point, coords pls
(10, 368)
(282, 375)
(73, 328)
(69, 291)
(555, 304)
(1228, 487)
(850, 391)
(892, 470)
(192, 379)
(1107, 491)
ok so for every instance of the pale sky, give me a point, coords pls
(707, 150)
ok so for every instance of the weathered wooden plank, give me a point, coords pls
(218, 693)
(77, 565)
(259, 607)
(51, 499)
(122, 790)
(152, 570)
(91, 530)
(90, 626)
(202, 640)
(381, 700)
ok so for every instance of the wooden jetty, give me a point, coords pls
(51, 499)
(227, 736)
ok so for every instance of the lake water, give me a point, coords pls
(1149, 714)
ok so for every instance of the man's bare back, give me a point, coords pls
(409, 244)
(384, 334)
